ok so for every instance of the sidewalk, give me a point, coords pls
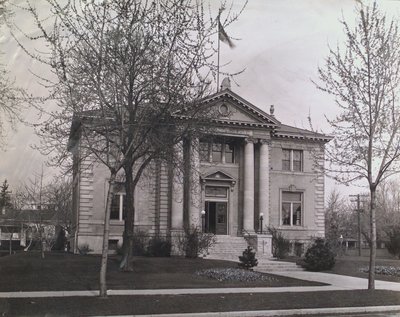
(341, 281)
(340, 311)
(171, 291)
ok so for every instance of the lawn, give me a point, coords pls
(59, 271)
(62, 271)
(350, 265)
(166, 304)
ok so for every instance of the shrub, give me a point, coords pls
(393, 245)
(319, 256)
(248, 259)
(84, 249)
(140, 242)
(193, 241)
(298, 249)
(280, 245)
(61, 241)
(159, 247)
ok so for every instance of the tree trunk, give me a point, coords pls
(372, 255)
(42, 251)
(106, 233)
(10, 246)
(41, 243)
(126, 262)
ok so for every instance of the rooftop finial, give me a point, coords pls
(272, 110)
(226, 83)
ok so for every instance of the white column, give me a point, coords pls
(177, 190)
(195, 188)
(248, 203)
(264, 182)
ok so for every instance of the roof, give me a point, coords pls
(289, 132)
(227, 93)
(279, 130)
(260, 119)
(27, 216)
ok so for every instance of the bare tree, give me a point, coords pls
(388, 208)
(133, 75)
(10, 95)
(337, 219)
(34, 194)
(364, 77)
(42, 205)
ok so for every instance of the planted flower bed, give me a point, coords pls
(233, 274)
(384, 270)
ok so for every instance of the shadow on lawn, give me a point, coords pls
(63, 271)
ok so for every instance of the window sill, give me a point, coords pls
(292, 172)
(116, 222)
(219, 163)
(293, 228)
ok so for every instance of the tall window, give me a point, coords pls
(229, 153)
(204, 151)
(118, 206)
(292, 203)
(292, 160)
(217, 152)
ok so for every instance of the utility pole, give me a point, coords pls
(359, 211)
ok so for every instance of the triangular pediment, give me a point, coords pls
(234, 110)
(218, 176)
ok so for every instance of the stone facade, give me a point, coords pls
(251, 166)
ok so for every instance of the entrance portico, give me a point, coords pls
(233, 202)
(217, 188)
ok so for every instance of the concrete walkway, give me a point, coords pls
(341, 281)
(339, 311)
(170, 291)
(336, 283)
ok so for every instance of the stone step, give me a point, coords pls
(267, 265)
(227, 248)
(261, 267)
(286, 269)
(230, 248)
(278, 269)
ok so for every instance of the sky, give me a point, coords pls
(280, 46)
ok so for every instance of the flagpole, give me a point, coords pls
(222, 36)
(218, 67)
(219, 14)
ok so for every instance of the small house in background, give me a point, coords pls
(252, 172)
(23, 229)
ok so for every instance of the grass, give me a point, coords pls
(350, 265)
(167, 304)
(61, 271)
(27, 271)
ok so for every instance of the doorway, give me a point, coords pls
(216, 220)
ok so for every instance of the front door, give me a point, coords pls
(216, 217)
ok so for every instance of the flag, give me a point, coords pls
(223, 37)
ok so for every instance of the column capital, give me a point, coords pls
(264, 141)
(249, 140)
